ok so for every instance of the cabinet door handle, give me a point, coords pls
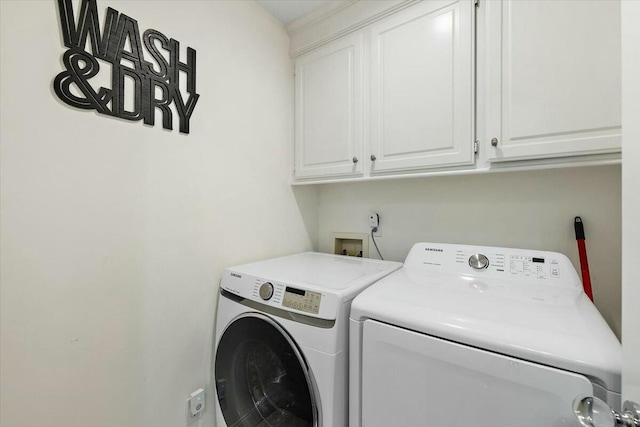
(355, 160)
(494, 142)
(373, 157)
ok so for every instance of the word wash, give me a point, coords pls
(120, 40)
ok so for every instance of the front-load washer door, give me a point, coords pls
(262, 378)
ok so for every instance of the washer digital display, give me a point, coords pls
(301, 300)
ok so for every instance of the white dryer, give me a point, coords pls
(478, 336)
(281, 346)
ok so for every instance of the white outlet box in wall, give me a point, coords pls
(195, 406)
(351, 243)
(374, 224)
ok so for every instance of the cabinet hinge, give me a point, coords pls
(475, 146)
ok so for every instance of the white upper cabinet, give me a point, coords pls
(553, 78)
(421, 96)
(389, 88)
(329, 110)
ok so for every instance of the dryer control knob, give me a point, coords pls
(266, 291)
(478, 261)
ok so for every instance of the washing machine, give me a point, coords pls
(478, 336)
(281, 346)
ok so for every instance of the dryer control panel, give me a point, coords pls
(520, 265)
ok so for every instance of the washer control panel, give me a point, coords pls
(308, 284)
(302, 300)
(294, 298)
(266, 291)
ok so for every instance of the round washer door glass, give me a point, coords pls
(261, 378)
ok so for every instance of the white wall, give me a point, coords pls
(114, 234)
(532, 210)
(631, 200)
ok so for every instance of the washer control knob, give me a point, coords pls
(478, 261)
(266, 291)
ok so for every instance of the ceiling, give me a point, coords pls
(287, 11)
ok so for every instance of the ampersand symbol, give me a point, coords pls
(80, 68)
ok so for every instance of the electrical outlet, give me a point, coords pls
(195, 406)
(374, 224)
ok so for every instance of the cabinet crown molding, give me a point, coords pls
(315, 16)
(338, 19)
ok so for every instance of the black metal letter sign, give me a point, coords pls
(120, 40)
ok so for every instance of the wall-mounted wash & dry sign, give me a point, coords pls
(119, 43)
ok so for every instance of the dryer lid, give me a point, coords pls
(509, 307)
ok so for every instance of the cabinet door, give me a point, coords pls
(422, 87)
(553, 78)
(328, 110)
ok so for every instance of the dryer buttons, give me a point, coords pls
(266, 291)
(478, 261)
